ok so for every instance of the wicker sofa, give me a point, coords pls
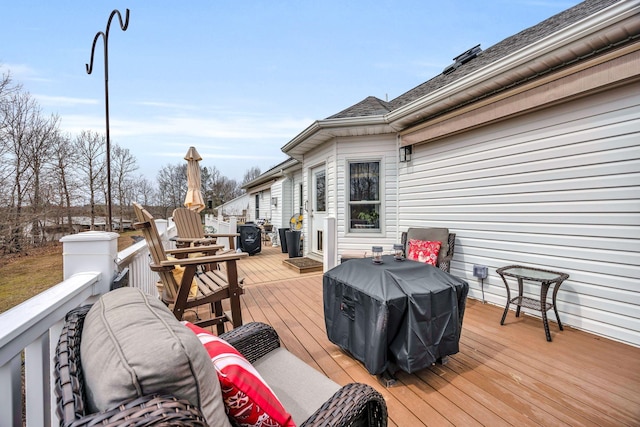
(352, 405)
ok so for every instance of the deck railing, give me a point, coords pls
(29, 332)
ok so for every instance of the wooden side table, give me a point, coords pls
(546, 278)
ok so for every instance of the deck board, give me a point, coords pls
(503, 375)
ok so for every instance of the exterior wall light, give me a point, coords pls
(405, 154)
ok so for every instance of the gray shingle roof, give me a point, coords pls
(373, 106)
(370, 106)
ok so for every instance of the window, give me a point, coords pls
(364, 196)
(321, 194)
(301, 202)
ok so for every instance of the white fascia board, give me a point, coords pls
(327, 129)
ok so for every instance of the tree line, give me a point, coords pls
(48, 177)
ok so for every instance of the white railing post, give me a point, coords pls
(233, 225)
(91, 251)
(329, 244)
(162, 225)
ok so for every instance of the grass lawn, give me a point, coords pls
(22, 277)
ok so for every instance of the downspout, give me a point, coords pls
(398, 142)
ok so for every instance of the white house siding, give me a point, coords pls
(297, 197)
(324, 155)
(276, 210)
(381, 148)
(288, 200)
(264, 208)
(235, 207)
(559, 188)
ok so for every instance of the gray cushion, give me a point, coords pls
(433, 235)
(301, 389)
(132, 345)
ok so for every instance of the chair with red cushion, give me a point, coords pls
(447, 242)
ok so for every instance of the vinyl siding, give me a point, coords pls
(276, 211)
(556, 189)
(379, 148)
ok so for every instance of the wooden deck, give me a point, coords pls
(503, 375)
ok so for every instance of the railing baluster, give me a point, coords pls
(37, 387)
(10, 390)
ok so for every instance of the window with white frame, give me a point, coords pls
(364, 196)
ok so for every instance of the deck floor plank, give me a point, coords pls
(528, 385)
(557, 367)
(503, 375)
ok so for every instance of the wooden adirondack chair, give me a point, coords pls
(213, 285)
(191, 232)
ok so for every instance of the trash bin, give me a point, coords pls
(293, 243)
(250, 239)
(283, 239)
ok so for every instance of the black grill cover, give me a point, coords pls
(399, 314)
(250, 239)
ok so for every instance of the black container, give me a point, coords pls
(293, 243)
(283, 239)
(250, 238)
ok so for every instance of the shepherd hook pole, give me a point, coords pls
(105, 38)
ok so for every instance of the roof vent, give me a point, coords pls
(463, 58)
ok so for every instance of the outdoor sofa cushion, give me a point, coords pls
(132, 346)
(300, 388)
(248, 399)
(430, 234)
(424, 251)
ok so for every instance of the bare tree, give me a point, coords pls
(217, 188)
(91, 147)
(172, 187)
(63, 156)
(24, 134)
(37, 150)
(123, 164)
(251, 174)
(7, 89)
(143, 191)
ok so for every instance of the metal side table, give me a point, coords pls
(546, 278)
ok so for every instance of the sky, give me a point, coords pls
(237, 79)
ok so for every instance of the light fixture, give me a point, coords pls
(405, 154)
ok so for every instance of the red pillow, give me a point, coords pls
(247, 398)
(424, 251)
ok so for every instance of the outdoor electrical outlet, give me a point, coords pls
(480, 271)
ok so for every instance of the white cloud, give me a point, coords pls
(66, 101)
(232, 127)
(22, 72)
(166, 105)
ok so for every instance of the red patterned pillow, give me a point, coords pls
(247, 398)
(424, 251)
